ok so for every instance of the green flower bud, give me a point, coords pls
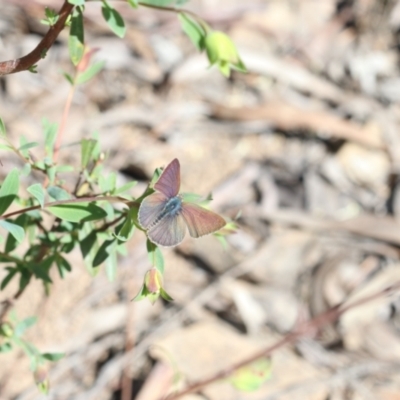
(222, 52)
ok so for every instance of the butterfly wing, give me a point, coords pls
(170, 231)
(170, 180)
(200, 221)
(151, 208)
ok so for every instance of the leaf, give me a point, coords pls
(193, 30)
(22, 326)
(53, 356)
(9, 190)
(111, 264)
(69, 78)
(90, 72)
(12, 242)
(125, 187)
(3, 131)
(77, 2)
(87, 148)
(252, 376)
(76, 44)
(155, 256)
(50, 132)
(15, 230)
(125, 230)
(159, 3)
(63, 266)
(107, 183)
(5, 347)
(104, 252)
(133, 3)
(37, 191)
(11, 273)
(82, 212)
(6, 147)
(28, 146)
(26, 169)
(88, 245)
(113, 19)
(58, 193)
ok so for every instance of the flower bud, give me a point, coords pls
(222, 52)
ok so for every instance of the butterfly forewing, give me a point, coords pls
(151, 208)
(201, 221)
(170, 231)
(170, 179)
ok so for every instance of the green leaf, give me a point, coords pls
(90, 72)
(11, 273)
(76, 44)
(58, 193)
(3, 131)
(37, 191)
(63, 266)
(69, 78)
(50, 132)
(28, 146)
(250, 377)
(104, 252)
(26, 169)
(9, 190)
(133, 3)
(125, 187)
(126, 230)
(15, 230)
(53, 356)
(107, 183)
(111, 264)
(87, 148)
(113, 19)
(77, 2)
(155, 256)
(193, 30)
(82, 212)
(5, 347)
(159, 3)
(22, 326)
(6, 147)
(89, 246)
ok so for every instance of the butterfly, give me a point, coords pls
(165, 215)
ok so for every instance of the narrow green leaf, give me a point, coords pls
(37, 191)
(58, 193)
(155, 256)
(9, 190)
(11, 273)
(3, 131)
(26, 169)
(104, 252)
(23, 141)
(77, 2)
(76, 44)
(87, 148)
(159, 3)
(193, 30)
(90, 72)
(125, 187)
(6, 147)
(82, 212)
(113, 19)
(28, 146)
(63, 266)
(53, 356)
(107, 183)
(125, 231)
(111, 264)
(5, 347)
(88, 244)
(15, 230)
(22, 326)
(133, 3)
(50, 133)
(69, 78)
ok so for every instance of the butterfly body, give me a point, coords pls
(165, 216)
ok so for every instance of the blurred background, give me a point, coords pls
(306, 146)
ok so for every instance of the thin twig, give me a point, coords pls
(26, 62)
(306, 328)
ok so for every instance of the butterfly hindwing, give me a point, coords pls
(200, 221)
(170, 231)
(170, 179)
(150, 209)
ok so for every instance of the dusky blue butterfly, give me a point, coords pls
(165, 216)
